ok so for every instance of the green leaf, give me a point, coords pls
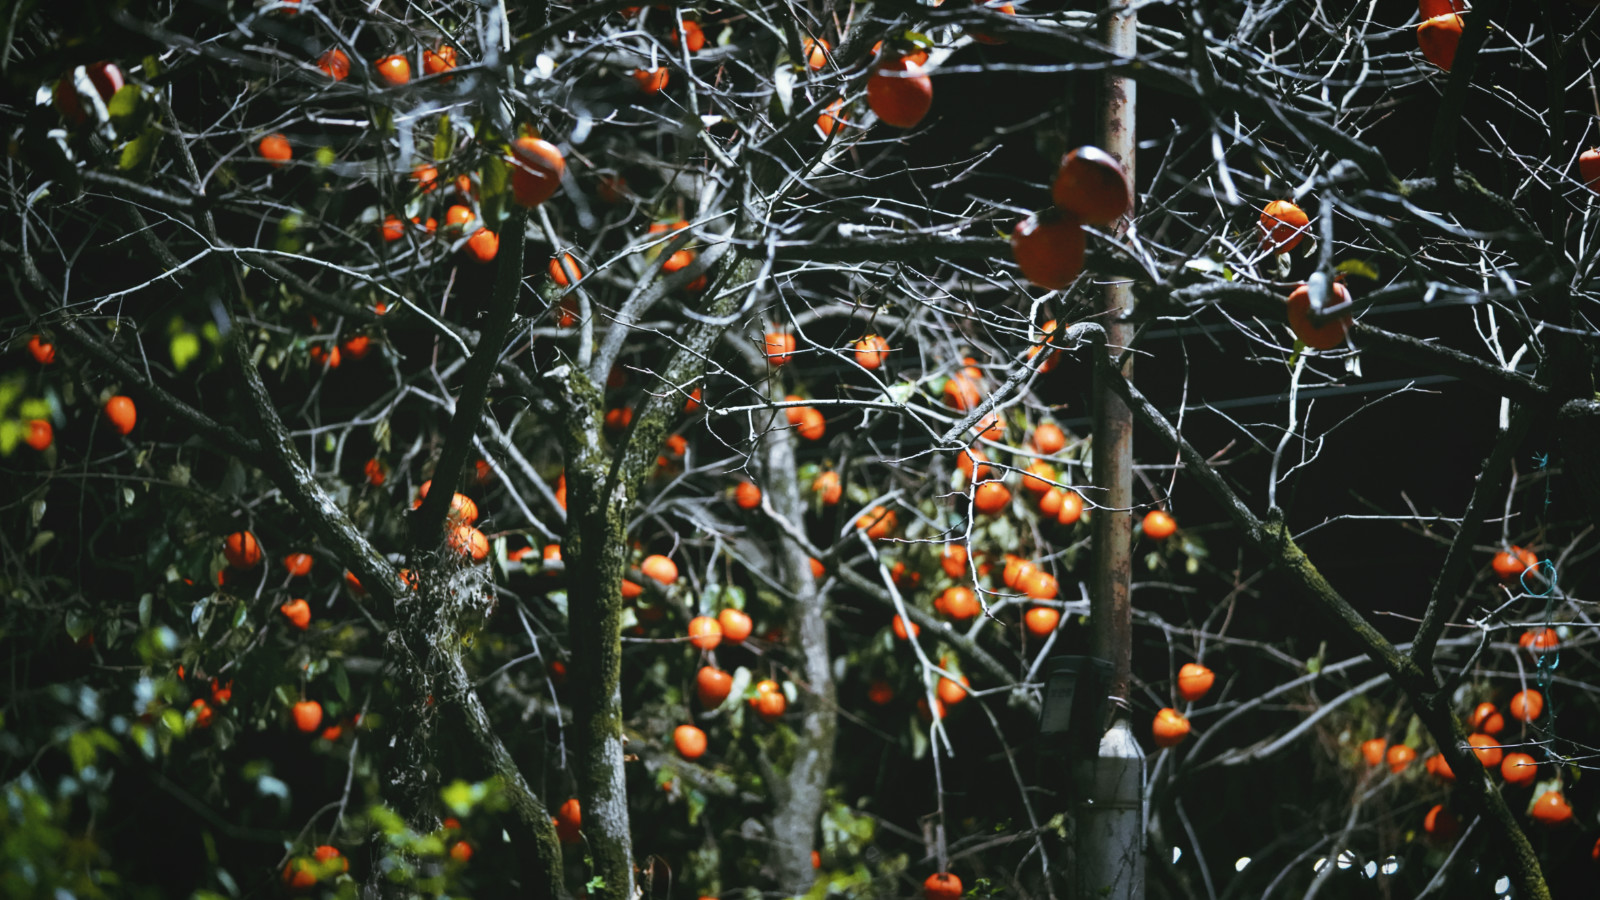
(34, 409)
(184, 348)
(443, 139)
(324, 157)
(77, 625)
(10, 434)
(493, 192)
(139, 153)
(1358, 267)
(341, 683)
(128, 110)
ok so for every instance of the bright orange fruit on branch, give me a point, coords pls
(991, 497)
(1041, 620)
(440, 60)
(898, 625)
(880, 522)
(469, 541)
(298, 612)
(705, 632)
(1519, 768)
(1539, 640)
(815, 51)
(941, 886)
(736, 626)
(1158, 525)
(1439, 768)
(1092, 185)
(560, 266)
(1486, 748)
(1194, 681)
(122, 415)
(1589, 168)
(1048, 438)
(1509, 563)
(275, 148)
(241, 550)
(747, 495)
(41, 434)
(1331, 333)
(712, 685)
(779, 347)
(871, 351)
(394, 70)
(651, 81)
(307, 715)
(900, 92)
(1526, 705)
(828, 121)
(1169, 728)
(1048, 247)
(769, 701)
(695, 36)
(1400, 756)
(43, 352)
(568, 820)
(660, 568)
(1283, 226)
(335, 64)
(1438, 38)
(690, 741)
(536, 167)
(1440, 824)
(1431, 8)
(1487, 719)
(484, 245)
(827, 487)
(1372, 750)
(1551, 808)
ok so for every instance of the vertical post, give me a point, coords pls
(1110, 819)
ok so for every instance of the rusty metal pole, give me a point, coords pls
(1110, 820)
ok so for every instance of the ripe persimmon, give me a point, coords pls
(457, 217)
(779, 347)
(357, 348)
(394, 70)
(705, 632)
(298, 612)
(1071, 508)
(1169, 728)
(275, 148)
(1326, 336)
(815, 52)
(952, 692)
(660, 568)
(1158, 525)
(1526, 705)
(736, 626)
(1092, 185)
(569, 819)
(1439, 768)
(974, 464)
(1510, 563)
(899, 92)
(1048, 438)
(898, 625)
(813, 426)
(1194, 681)
(1431, 8)
(202, 712)
(1039, 585)
(335, 64)
(1551, 808)
(461, 851)
(1539, 640)
(536, 169)
(694, 36)
(1039, 477)
(327, 852)
(959, 602)
(1589, 168)
(307, 715)
(44, 353)
(747, 495)
(560, 266)
(1486, 748)
(941, 886)
(827, 487)
(1438, 38)
(1372, 750)
(1487, 719)
(441, 59)
(1048, 247)
(991, 497)
(880, 522)
(953, 560)
(829, 119)
(1041, 620)
(242, 550)
(1519, 768)
(998, 7)
(122, 414)
(871, 351)
(469, 541)
(712, 685)
(1400, 756)
(769, 701)
(880, 692)
(40, 434)
(690, 741)
(651, 81)
(484, 245)
(1283, 226)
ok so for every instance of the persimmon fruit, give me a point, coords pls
(1092, 185)
(1169, 728)
(899, 92)
(122, 414)
(1283, 226)
(1194, 681)
(1048, 247)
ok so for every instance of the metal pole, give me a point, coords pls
(1110, 821)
